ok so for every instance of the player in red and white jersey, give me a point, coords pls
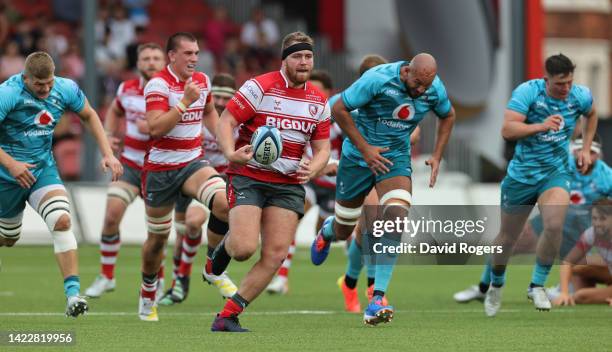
(128, 107)
(321, 190)
(190, 215)
(269, 199)
(178, 101)
(582, 271)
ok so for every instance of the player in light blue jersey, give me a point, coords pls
(585, 189)
(541, 116)
(31, 104)
(392, 99)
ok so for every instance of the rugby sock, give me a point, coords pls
(539, 274)
(370, 279)
(353, 268)
(328, 229)
(485, 278)
(234, 306)
(109, 249)
(189, 250)
(382, 277)
(209, 251)
(284, 269)
(498, 275)
(149, 286)
(176, 262)
(219, 261)
(72, 286)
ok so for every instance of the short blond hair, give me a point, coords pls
(39, 65)
(296, 37)
(370, 61)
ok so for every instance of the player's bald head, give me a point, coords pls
(424, 67)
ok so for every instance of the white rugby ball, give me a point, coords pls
(267, 144)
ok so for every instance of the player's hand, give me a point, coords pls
(143, 126)
(110, 162)
(552, 123)
(584, 161)
(564, 299)
(304, 171)
(242, 155)
(20, 171)
(192, 92)
(115, 143)
(435, 166)
(330, 170)
(376, 162)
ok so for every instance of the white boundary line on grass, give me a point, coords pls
(283, 312)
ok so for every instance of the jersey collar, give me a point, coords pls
(287, 80)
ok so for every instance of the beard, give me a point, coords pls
(298, 77)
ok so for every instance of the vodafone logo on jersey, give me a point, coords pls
(404, 112)
(287, 124)
(44, 119)
(576, 197)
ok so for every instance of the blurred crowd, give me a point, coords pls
(242, 49)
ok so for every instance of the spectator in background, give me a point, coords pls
(206, 60)
(122, 32)
(56, 44)
(218, 30)
(4, 22)
(12, 61)
(137, 11)
(131, 51)
(72, 64)
(102, 23)
(232, 55)
(260, 36)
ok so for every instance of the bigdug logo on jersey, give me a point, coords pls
(286, 124)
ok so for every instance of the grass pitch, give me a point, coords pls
(309, 318)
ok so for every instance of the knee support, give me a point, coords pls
(395, 194)
(180, 228)
(159, 225)
(207, 191)
(124, 194)
(217, 225)
(347, 216)
(10, 228)
(51, 210)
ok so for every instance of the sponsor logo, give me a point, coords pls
(238, 103)
(192, 116)
(391, 92)
(44, 119)
(251, 90)
(37, 133)
(576, 197)
(154, 98)
(313, 109)
(541, 104)
(394, 124)
(286, 124)
(404, 112)
(277, 106)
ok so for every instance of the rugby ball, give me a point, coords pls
(267, 144)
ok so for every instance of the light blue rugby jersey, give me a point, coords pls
(586, 189)
(27, 123)
(387, 114)
(542, 154)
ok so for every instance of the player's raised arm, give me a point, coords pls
(92, 122)
(163, 120)
(515, 127)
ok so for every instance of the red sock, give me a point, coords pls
(284, 269)
(189, 250)
(231, 308)
(109, 249)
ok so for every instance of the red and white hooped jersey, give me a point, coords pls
(588, 240)
(212, 153)
(300, 114)
(130, 100)
(184, 142)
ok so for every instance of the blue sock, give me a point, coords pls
(72, 286)
(328, 229)
(355, 263)
(539, 274)
(498, 276)
(485, 277)
(383, 277)
(371, 267)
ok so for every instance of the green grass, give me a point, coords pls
(426, 317)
